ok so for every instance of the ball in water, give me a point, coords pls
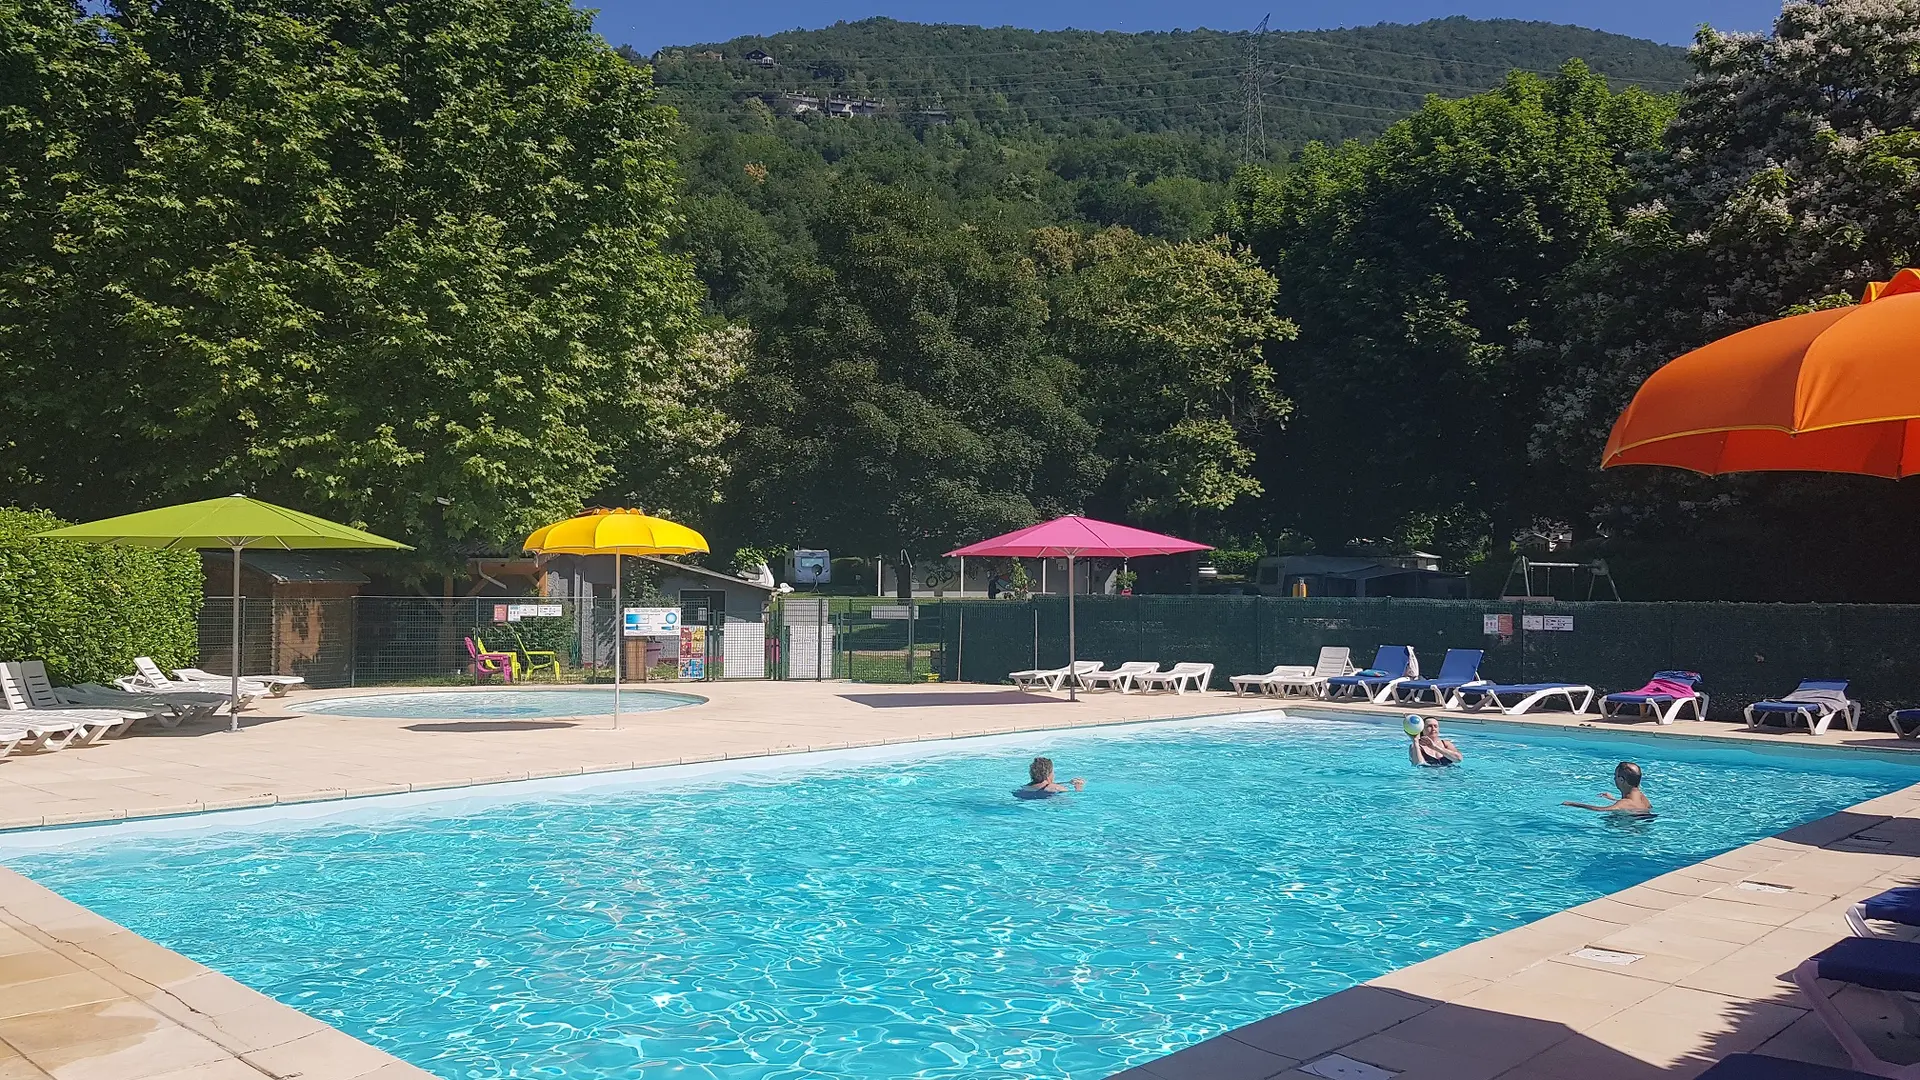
(1411, 725)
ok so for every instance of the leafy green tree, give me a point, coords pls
(1789, 179)
(1172, 340)
(1414, 268)
(903, 399)
(397, 262)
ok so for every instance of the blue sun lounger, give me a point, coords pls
(1517, 699)
(1905, 722)
(1815, 702)
(1460, 668)
(1392, 665)
(1900, 905)
(1662, 698)
(1761, 1067)
(1877, 964)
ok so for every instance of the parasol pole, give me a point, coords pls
(1073, 677)
(619, 636)
(233, 702)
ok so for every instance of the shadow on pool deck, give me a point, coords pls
(916, 701)
(491, 725)
(1563, 1023)
(1618, 1029)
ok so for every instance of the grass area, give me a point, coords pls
(889, 666)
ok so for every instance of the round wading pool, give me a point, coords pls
(496, 704)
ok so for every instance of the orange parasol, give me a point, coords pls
(1827, 391)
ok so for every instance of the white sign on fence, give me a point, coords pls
(1533, 622)
(1556, 622)
(652, 622)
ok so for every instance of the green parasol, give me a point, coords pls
(235, 522)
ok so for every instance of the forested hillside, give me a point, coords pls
(1326, 85)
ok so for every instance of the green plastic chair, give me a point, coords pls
(536, 659)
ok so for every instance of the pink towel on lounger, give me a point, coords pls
(1673, 688)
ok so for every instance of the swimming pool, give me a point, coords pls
(897, 914)
(497, 704)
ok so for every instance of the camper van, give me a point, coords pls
(1417, 574)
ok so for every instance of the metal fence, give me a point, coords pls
(1744, 651)
(397, 640)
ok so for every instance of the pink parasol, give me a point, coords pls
(1078, 537)
(1075, 537)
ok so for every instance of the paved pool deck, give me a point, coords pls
(82, 998)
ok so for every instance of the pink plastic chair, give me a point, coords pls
(487, 664)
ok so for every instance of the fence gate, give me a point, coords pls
(806, 640)
(890, 643)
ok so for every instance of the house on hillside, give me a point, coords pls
(760, 58)
(795, 104)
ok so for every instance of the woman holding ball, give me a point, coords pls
(1428, 748)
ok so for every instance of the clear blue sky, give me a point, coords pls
(649, 24)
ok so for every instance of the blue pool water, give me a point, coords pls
(909, 918)
(497, 704)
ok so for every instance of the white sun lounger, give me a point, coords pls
(20, 691)
(1518, 699)
(150, 677)
(44, 695)
(1334, 660)
(29, 731)
(174, 705)
(1120, 678)
(1052, 678)
(1244, 684)
(1177, 678)
(277, 685)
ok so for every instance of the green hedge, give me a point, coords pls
(88, 609)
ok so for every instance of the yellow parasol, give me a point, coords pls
(615, 532)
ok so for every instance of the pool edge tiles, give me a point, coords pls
(115, 1004)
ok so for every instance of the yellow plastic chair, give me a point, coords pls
(536, 659)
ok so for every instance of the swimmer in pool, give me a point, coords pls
(1428, 748)
(1043, 783)
(1631, 800)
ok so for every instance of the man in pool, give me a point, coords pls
(1043, 784)
(1631, 800)
(1429, 748)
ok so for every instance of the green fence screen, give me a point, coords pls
(1744, 652)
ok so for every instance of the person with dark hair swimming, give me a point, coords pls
(1043, 785)
(1428, 747)
(1631, 800)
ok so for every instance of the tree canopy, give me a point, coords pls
(401, 263)
(448, 270)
